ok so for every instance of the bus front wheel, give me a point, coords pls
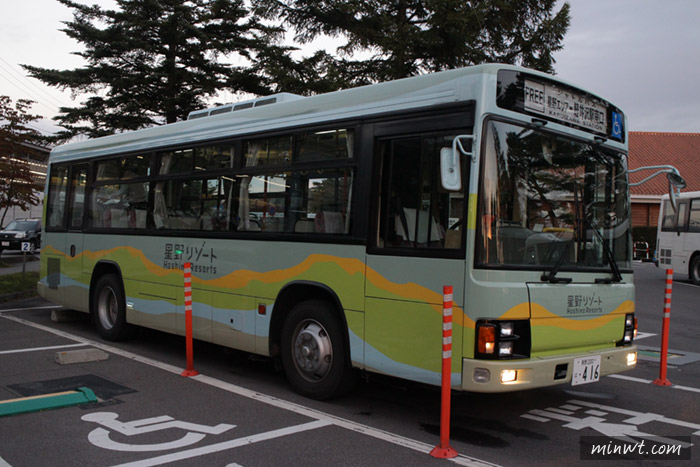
(313, 353)
(109, 308)
(695, 270)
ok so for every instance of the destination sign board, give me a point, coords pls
(564, 105)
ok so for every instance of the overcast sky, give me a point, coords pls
(642, 55)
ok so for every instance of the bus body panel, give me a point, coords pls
(578, 317)
(404, 316)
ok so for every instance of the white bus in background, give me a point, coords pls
(678, 237)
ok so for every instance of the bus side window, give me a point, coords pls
(416, 212)
(669, 216)
(694, 218)
(681, 220)
(58, 190)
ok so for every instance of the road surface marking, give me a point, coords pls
(36, 349)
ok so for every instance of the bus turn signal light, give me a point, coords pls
(487, 339)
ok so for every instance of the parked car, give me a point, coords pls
(21, 230)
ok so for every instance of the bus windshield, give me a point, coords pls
(548, 202)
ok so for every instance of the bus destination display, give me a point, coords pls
(563, 105)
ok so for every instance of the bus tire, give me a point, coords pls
(313, 353)
(695, 270)
(109, 308)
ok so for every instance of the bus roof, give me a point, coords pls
(417, 92)
(683, 195)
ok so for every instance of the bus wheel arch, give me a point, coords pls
(694, 268)
(309, 334)
(108, 302)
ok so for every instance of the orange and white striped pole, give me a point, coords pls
(443, 450)
(662, 381)
(190, 371)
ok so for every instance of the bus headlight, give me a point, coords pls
(630, 330)
(508, 376)
(502, 339)
(505, 349)
(506, 329)
(631, 358)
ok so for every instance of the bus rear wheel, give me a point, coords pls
(109, 308)
(695, 270)
(313, 352)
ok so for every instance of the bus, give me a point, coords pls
(321, 231)
(678, 236)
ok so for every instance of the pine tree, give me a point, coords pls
(150, 62)
(408, 37)
(17, 184)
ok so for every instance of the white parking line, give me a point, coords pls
(50, 307)
(648, 381)
(266, 399)
(36, 349)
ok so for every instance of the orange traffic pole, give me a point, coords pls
(662, 381)
(443, 450)
(190, 371)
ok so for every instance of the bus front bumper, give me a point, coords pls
(486, 375)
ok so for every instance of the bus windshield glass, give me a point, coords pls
(548, 202)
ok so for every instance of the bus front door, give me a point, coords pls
(418, 250)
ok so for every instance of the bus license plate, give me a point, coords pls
(586, 370)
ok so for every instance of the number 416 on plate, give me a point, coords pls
(586, 370)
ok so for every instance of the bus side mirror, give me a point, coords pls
(675, 184)
(450, 167)
(450, 173)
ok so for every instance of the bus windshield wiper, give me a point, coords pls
(551, 277)
(614, 269)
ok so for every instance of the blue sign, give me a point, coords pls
(616, 131)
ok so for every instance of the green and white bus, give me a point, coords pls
(322, 229)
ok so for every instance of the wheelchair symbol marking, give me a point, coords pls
(100, 436)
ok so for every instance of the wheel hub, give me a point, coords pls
(313, 352)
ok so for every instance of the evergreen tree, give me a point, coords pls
(17, 185)
(153, 61)
(407, 37)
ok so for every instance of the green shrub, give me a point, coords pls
(18, 285)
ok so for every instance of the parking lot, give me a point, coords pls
(148, 414)
(240, 411)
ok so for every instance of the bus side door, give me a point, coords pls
(78, 286)
(417, 249)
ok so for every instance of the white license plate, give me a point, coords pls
(586, 370)
(5, 243)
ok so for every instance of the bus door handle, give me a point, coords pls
(72, 251)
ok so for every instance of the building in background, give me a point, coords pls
(681, 150)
